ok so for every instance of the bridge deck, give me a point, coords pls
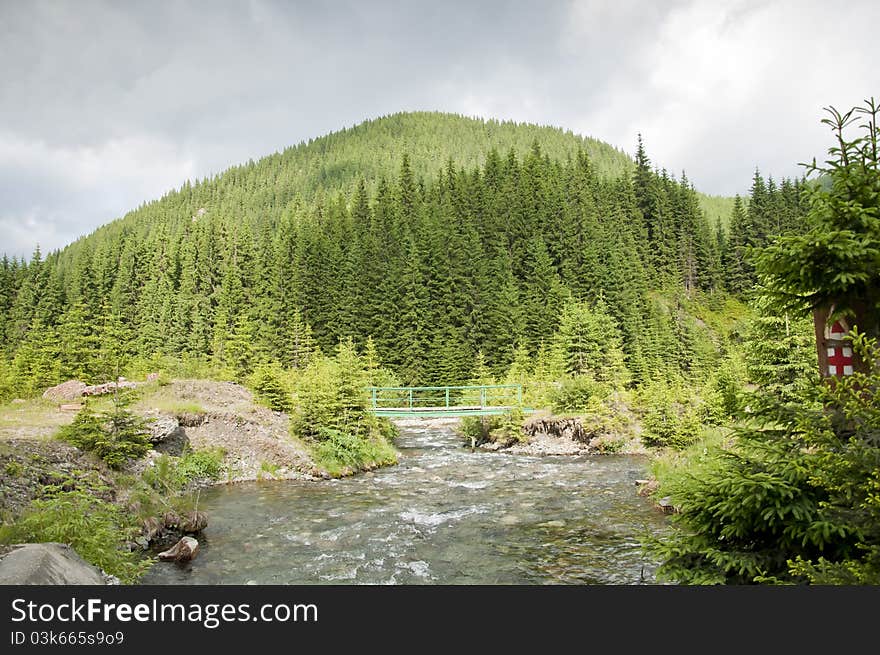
(450, 401)
(441, 412)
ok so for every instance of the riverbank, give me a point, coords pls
(208, 415)
(544, 433)
(202, 433)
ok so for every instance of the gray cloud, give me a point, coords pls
(104, 105)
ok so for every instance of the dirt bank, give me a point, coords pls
(255, 440)
(223, 414)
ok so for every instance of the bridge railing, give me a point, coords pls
(448, 397)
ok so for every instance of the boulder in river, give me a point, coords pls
(665, 505)
(193, 522)
(183, 551)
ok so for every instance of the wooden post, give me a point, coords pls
(820, 320)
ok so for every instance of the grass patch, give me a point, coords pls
(174, 474)
(672, 463)
(32, 418)
(340, 453)
(268, 470)
(13, 469)
(505, 429)
(176, 407)
(181, 367)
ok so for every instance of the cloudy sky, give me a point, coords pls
(104, 105)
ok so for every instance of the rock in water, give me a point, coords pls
(183, 551)
(666, 506)
(193, 522)
(70, 390)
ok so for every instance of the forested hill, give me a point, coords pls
(457, 245)
(372, 150)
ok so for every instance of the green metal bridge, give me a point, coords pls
(425, 402)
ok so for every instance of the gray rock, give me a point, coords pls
(70, 390)
(167, 436)
(48, 564)
(107, 387)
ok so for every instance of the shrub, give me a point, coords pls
(793, 499)
(173, 474)
(669, 419)
(332, 414)
(504, 429)
(204, 464)
(339, 452)
(578, 394)
(116, 436)
(96, 529)
(267, 381)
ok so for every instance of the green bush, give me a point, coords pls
(670, 418)
(578, 394)
(96, 529)
(340, 452)
(116, 436)
(332, 414)
(505, 429)
(794, 498)
(204, 464)
(267, 381)
(173, 474)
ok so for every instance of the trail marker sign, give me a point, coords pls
(839, 351)
(833, 345)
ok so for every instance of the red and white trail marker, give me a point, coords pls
(840, 354)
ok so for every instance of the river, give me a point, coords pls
(444, 515)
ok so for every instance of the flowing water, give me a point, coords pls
(443, 515)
